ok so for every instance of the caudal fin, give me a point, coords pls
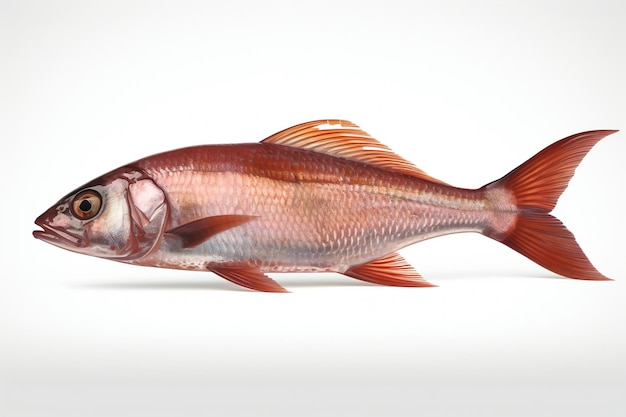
(535, 186)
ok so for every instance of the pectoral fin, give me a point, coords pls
(392, 270)
(247, 276)
(194, 233)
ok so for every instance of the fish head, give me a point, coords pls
(121, 215)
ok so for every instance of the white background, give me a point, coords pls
(466, 90)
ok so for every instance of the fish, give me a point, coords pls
(322, 196)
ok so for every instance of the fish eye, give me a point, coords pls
(86, 205)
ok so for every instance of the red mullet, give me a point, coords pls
(322, 196)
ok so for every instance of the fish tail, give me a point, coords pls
(523, 199)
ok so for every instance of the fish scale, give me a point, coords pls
(297, 214)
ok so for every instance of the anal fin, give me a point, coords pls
(247, 276)
(391, 270)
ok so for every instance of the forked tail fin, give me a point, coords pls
(535, 186)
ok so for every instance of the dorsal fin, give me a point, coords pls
(346, 140)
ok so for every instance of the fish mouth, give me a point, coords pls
(58, 237)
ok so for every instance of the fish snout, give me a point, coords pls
(55, 233)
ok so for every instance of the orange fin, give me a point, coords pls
(542, 238)
(540, 181)
(194, 233)
(344, 139)
(536, 186)
(247, 276)
(392, 270)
